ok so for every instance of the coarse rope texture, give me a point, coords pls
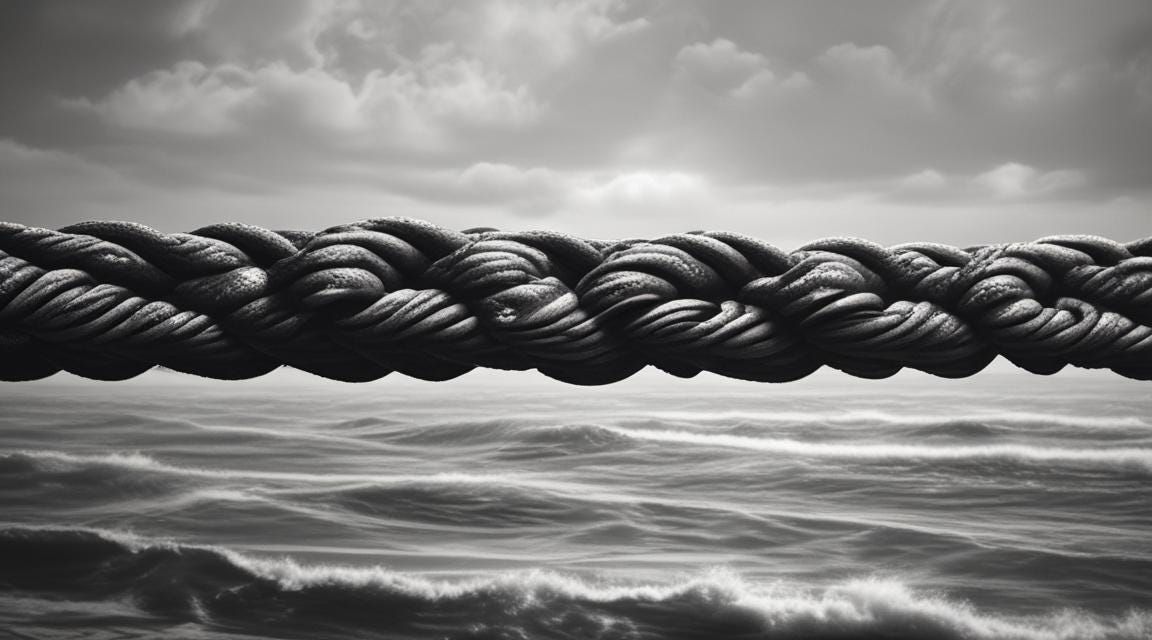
(110, 300)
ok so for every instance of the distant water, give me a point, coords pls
(502, 506)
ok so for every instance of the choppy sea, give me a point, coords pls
(505, 506)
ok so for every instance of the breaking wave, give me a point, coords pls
(219, 588)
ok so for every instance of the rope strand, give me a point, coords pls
(110, 300)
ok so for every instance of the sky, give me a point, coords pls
(958, 122)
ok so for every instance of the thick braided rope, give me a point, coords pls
(110, 300)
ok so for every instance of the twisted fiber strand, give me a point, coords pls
(110, 300)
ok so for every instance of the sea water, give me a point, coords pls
(504, 505)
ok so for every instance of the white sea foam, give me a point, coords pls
(1118, 457)
(297, 433)
(901, 418)
(867, 604)
(863, 604)
(885, 606)
(141, 462)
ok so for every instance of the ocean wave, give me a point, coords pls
(482, 499)
(219, 588)
(560, 440)
(900, 418)
(29, 475)
(136, 461)
(496, 505)
(959, 429)
(1132, 458)
(295, 434)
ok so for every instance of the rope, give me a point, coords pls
(110, 300)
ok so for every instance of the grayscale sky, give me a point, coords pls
(958, 122)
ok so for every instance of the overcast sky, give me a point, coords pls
(958, 122)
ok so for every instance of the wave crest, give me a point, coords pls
(1133, 458)
(215, 586)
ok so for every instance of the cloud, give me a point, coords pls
(869, 74)
(644, 193)
(413, 107)
(721, 64)
(502, 180)
(1014, 180)
(1009, 181)
(535, 191)
(926, 180)
(50, 188)
(541, 36)
(1058, 86)
(724, 68)
(527, 42)
(256, 31)
(455, 90)
(188, 98)
(540, 190)
(848, 113)
(611, 112)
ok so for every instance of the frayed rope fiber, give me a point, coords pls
(110, 300)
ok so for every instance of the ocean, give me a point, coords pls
(506, 506)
